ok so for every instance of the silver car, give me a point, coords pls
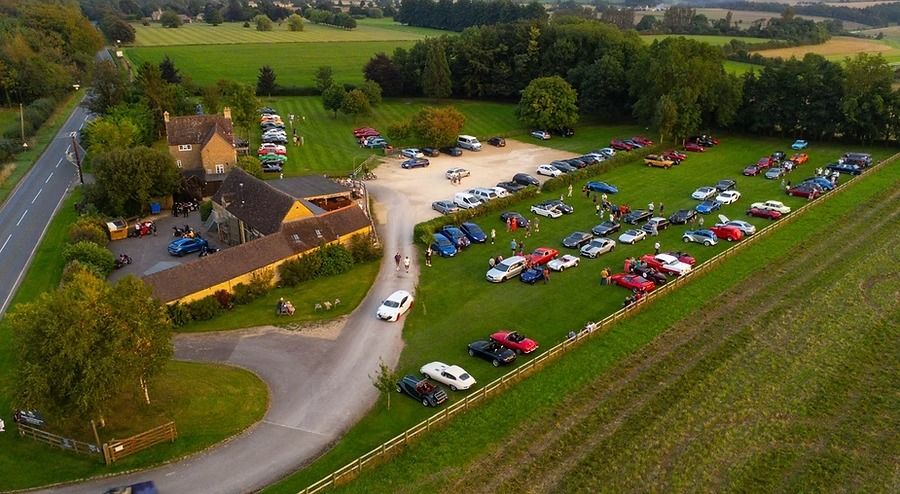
(746, 228)
(598, 246)
(632, 236)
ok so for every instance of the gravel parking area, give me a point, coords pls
(491, 165)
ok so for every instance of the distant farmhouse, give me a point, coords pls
(203, 147)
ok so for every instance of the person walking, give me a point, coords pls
(537, 225)
(662, 208)
(604, 277)
(570, 190)
(397, 259)
(597, 209)
(493, 235)
(428, 254)
(406, 263)
(656, 247)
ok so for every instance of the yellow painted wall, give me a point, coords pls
(297, 212)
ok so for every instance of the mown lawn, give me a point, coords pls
(442, 322)
(740, 68)
(703, 38)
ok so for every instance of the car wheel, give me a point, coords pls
(425, 402)
(471, 352)
(685, 239)
(495, 363)
(707, 243)
(452, 388)
(729, 239)
(426, 376)
(518, 351)
(399, 389)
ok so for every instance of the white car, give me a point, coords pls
(548, 170)
(563, 263)
(454, 376)
(772, 206)
(395, 306)
(456, 172)
(671, 264)
(545, 210)
(704, 193)
(501, 192)
(411, 153)
(274, 148)
(632, 236)
(728, 197)
(598, 246)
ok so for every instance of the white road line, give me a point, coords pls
(57, 163)
(36, 196)
(68, 148)
(80, 126)
(6, 242)
(22, 218)
(48, 178)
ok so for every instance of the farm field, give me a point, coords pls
(745, 18)
(838, 48)
(548, 312)
(709, 39)
(739, 68)
(235, 33)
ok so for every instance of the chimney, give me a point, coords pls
(226, 112)
(166, 117)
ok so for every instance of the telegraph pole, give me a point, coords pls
(77, 160)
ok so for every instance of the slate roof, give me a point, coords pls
(253, 201)
(309, 187)
(198, 129)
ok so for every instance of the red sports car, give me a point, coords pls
(365, 132)
(728, 233)
(766, 162)
(753, 170)
(543, 255)
(643, 141)
(805, 190)
(763, 213)
(620, 145)
(683, 257)
(694, 147)
(800, 158)
(633, 282)
(515, 341)
(674, 155)
(267, 150)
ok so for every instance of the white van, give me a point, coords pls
(484, 194)
(466, 200)
(506, 269)
(468, 142)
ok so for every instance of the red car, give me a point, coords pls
(365, 132)
(683, 257)
(694, 147)
(643, 141)
(728, 233)
(800, 158)
(805, 190)
(265, 151)
(764, 213)
(753, 170)
(766, 162)
(620, 145)
(515, 341)
(543, 255)
(633, 282)
(674, 155)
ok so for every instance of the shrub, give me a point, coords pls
(363, 249)
(204, 309)
(205, 210)
(76, 266)
(179, 314)
(261, 282)
(88, 229)
(243, 294)
(335, 260)
(298, 270)
(90, 254)
(225, 299)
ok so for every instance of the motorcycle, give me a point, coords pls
(187, 231)
(122, 260)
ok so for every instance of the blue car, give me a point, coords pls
(705, 237)
(707, 207)
(602, 187)
(532, 275)
(473, 232)
(799, 144)
(455, 235)
(821, 182)
(442, 246)
(186, 245)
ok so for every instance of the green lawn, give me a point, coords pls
(740, 68)
(547, 313)
(710, 39)
(231, 33)
(9, 117)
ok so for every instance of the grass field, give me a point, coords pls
(838, 48)
(740, 68)
(547, 313)
(751, 388)
(9, 117)
(709, 39)
(234, 33)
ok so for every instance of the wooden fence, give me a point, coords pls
(58, 441)
(117, 449)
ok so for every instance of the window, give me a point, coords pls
(220, 168)
(178, 163)
(184, 147)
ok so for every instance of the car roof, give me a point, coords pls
(398, 295)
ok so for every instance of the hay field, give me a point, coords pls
(837, 48)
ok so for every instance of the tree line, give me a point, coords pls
(458, 15)
(873, 15)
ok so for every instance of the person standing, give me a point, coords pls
(513, 225)
(537, 224)
(493, 235)
(397, 259)
(570, 190)
(597, 209)
(428, 254)
(512, 246)
(546, 274)
(650, 207)
(700, 222)
(662, 208)
(406, 263)
(509, 224)
(656, 247)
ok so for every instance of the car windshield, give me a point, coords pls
(502, 267)
(464, 376)
(443, 242)
(391, 303)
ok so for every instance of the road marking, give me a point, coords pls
(48, 178)
(36, 196)
(69, 147)
(80, 126)
(57, 163)
(6, 242)
(22, 218)
(301, 429)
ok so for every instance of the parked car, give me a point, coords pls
(598, 247)
(549, 170)
(456, 172)
(676, 156)
(375, 143)
(525, 179)
(147, 487)
(728, 197)
(491, 351)
(805, 190)
(520, 220)
(451, 151)
(704, 193)
(532, 275)
(473, 232)
(563, 166)
(707, 207)
(468, 142)
(415, 163)
(775, 173)
(422, 391)
(772, 206)
(601, 187)
(632, 236)
(752, 170)
(845, 168)
(864, 160)
(799, 158)
(799, 144)
(465, 200)
(431, 152)
(577, 163)
(694, 147)
(725, 184)
(705, 237)
(634, 144)
(548, 211)
(540, 134)
(636, 216)
(444, 207)
(658, 161)
(746, 228)
(558, 205)
(779, 156)
(766, 162)
(455, 235)
(822, 182)
(632, 282)
(608, 152)
(704, 140)
(576, 239)
(542, 255)
(364, 131)
(508, 268)
(656, 223)
(764, 213)
(726, 232)
(442, 245)
(510, 187)
(397, 304)
(667, 263)
(497, 141)
(271, 167)
(515, 341)
(620, 145)
(683, 257)
(452, 376)
(643, 141)
(682, 216)
(605, 228)
(563, 262)
(187, 245)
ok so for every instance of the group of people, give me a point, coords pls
(455, 179)
(184, 208)
(517, 247)
(405, 260)
(284, 307)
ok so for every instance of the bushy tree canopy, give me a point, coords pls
(548, 103)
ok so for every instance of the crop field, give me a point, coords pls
(838, 48)
(703, 38)
(235, 33)
(442, 322)
(744, 18)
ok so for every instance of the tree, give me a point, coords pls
(333, 98)
(109, 87)
(548, 103)
(104, 134)
(265, 82)
(170, 19)
(160, 95)
(87, 341)
(234, 11)
(250, 165)
(867, 97)
(647, 23)
(262, 23)
(241, 98)
(168, 71)
(385, 72)
(129, 178)
(356, 103)
(295, 23)
(385, 381)
(212, 99)
(324, 78)
(372, 91)
(436, 79)
(212, 14)
(665, 117)
(438, 126)
(116, 29)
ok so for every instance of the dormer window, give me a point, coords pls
(184, 147)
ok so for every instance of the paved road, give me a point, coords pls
(319, 388)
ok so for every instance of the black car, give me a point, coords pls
(525, 179)
(521, 222)
(606, 228)
(421, 390)
(559, 205)
(591, 159)
(451, 151)
(682, 216)
(846, 168)
(650, 274)
(725, 184)
(636, 216)
(271, 167)
(576, 240)
(779, 156)
(492, 352)
(497, 141)
(563, 166)
(565, 132)
(511, 187)
(430, 152)
(577, 162)
(861, 159)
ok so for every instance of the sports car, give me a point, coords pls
(473, 232)
(598, 246)
(563, 262)
(704, 193)
(821, 182)
(444, 207)
(443, 246)
(601, 187)
(764, 213)
(576, 239)
(531, 275)
(658, 161)
(515, 341)
(632, 236)
(548, 211)
(540, 134)
(682, 216)
(705, 237)
(728, 233)
(186, 245)
(694, 147)
(725, 184)
(455, 235)
(667, 263)
(559, 206)
(453, 376)
(651, 274)
(752, 170)
(774, 173)
(606, 227)
(779, 156)
(772, 206)
(805, 190)
(520, 220)
(682, 256)
(746, 228)
(542, 255)
(620, 145)
(800, 158)
(799, 144)
(766, 162)
(549, 170)
(707, 207)
(636, 216)
(457, 172)
(491, 351)
(676, 156)
(632, 282)
(395, 306)
(634, 144)
(728, 197)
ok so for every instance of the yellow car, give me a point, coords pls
(658, 161)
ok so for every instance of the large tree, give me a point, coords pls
(385, 72)
(436, 78)
(438, 126)
(116, 29)
(868, 100)
(295, 23)
(212, 14)
(103, 134)
(324, 78)
(87, 341)
(548, 103)
(170, 19)
(110, 87)
(333, 98)
(241, 98)
(129, 178)
(356, 103)
(265, 81)
(168, 71)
